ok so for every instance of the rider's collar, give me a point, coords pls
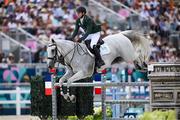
(81, 19)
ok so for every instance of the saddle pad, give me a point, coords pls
(104, 49)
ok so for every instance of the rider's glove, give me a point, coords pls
(81, 39)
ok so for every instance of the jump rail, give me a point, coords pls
(126, 101)
(103, 85)
(106, 84)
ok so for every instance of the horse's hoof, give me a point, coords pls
(72, 98)
(61, 93)
(66, 97)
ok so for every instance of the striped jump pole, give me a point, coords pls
(54, 98)
(106, 84)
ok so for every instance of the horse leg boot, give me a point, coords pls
(99, 61)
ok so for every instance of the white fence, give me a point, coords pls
(18, 91)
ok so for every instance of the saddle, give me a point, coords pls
(87, 42)
(100, 42)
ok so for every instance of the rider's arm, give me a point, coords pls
(75, 32)
(89, 29)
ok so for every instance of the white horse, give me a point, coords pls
(128, 46)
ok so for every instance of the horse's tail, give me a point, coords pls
(140, 43)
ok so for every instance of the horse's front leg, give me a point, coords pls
(66, 76)
(77, 76)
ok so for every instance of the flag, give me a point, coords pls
(48, 84)
(97, 78)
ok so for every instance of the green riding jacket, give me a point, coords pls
(88, 25)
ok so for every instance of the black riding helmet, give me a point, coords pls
(81, 10)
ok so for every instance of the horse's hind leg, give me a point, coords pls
(137, 66)
(145, 65)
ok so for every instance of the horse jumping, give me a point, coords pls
(128, 46)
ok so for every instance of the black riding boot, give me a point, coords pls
(100, 42)
(99, 61)
(87, 43)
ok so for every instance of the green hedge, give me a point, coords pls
(41, 104)
(158, 115)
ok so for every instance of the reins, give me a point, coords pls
(73, 49)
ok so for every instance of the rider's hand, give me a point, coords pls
(76, 40)
(80, 39)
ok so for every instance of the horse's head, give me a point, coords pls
(51, 54)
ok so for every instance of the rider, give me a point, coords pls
(91, 35)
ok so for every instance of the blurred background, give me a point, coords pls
(24, 23)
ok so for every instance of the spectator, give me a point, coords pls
(10, 58)
(1, 56)
(21, 60)
(43, 55)
(43, 18)
(12, 24)
(97, 20)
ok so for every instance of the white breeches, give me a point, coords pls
(94, 38)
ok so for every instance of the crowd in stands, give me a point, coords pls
(43, 18)
(163, 17)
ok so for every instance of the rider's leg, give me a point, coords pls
(100, 42)
(87, 43)
(94, 40)
(99, 61)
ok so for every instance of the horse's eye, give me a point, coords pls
(53, 51)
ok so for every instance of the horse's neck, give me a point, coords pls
(65, 46)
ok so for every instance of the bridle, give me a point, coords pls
(57, 58)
